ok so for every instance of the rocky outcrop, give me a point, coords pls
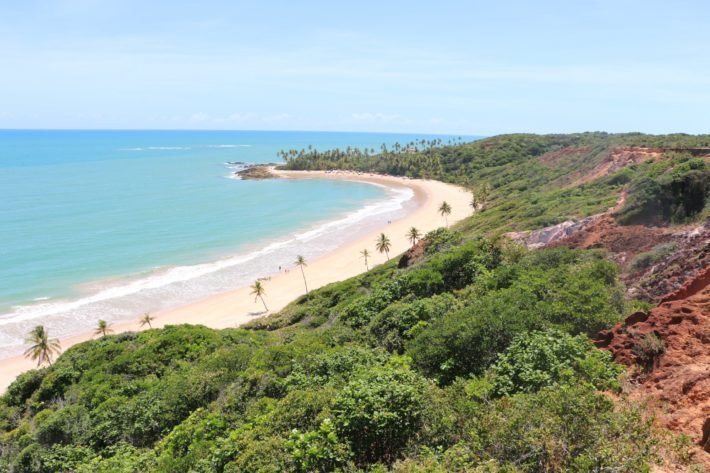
(535, 239)
(256, 172)
(413, 254)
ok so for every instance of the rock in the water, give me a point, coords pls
(256, 172)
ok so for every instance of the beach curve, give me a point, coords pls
(236, 307)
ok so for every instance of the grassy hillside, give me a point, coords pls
(474, 358)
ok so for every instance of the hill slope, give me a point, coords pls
(473, 354)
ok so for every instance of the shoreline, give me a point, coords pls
(236, 307)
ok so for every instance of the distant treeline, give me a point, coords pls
(456, 161)
(537, 175)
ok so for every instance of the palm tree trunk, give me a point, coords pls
(304, 280)
(262, 301)
(387, 253)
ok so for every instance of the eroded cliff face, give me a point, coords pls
(674, 376)
(667, 349)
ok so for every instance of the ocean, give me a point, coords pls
(112, 224)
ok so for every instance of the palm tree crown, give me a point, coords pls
(42, 348)
(383, 245)
(445, 210)
(301, 262)
(103, 328)
(413, 234)
(146, 320)
(258, 291)
(365, 254)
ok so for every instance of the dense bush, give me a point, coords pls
(552, 358)
(673, 191)
(550, 288)
(379, 412)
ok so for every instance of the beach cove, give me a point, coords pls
(236, 306)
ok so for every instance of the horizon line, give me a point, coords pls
(246, 130)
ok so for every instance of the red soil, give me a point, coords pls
(677, 382)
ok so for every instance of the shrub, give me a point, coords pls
(319, 450)
(567, 429)
(378, 412)
(393, 326)
(648, 349)
(22, 388)
(541, 359)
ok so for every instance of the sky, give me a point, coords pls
(459, 67)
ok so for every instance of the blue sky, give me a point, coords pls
(462, 67)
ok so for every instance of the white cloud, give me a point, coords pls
(375, 117)
(199, 117)
(276, 118)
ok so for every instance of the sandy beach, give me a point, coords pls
(235, 307)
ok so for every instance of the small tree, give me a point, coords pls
(649, 349)
(301, 262)
(445, 211)
(365, 254)
(413, 234)
(146, 320)
(258, 291)
(379, 411)
(383, 245)
(42, 348)
(103, 328)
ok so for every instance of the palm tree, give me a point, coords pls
(258, 291)
(383, 245)
(146, 320)
(413, 235)
(42, 348)
(365, 254)
(103, 329)
(301, 262)
(445, 211)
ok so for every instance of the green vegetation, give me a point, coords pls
(541, 359)
(649, 348)
(42, 348)
(146, 319)
(433, 365)
(673, 191)
(103, 328)
(476, 358)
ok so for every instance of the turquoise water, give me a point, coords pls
(110, 224)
